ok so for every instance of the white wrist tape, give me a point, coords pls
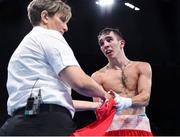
(122, 102)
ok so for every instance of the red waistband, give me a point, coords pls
(128, 132)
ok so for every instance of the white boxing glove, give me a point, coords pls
(122, 102)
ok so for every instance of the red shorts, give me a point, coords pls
(128, 132)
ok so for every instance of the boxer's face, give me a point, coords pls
(110, 45)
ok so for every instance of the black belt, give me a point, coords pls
(44, 108)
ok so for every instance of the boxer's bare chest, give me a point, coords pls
(123, 82)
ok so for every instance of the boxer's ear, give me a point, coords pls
(122, 43)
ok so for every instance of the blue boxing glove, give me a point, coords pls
(121, 102)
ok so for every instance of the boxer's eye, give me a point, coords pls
(101, 43)
(108, 39)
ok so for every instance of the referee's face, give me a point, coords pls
(56, 22)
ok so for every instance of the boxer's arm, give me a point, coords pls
(144, 86)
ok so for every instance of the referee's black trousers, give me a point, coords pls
(52, 120)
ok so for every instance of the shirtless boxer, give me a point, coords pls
(131, 82)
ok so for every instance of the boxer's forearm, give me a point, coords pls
(141, 100)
